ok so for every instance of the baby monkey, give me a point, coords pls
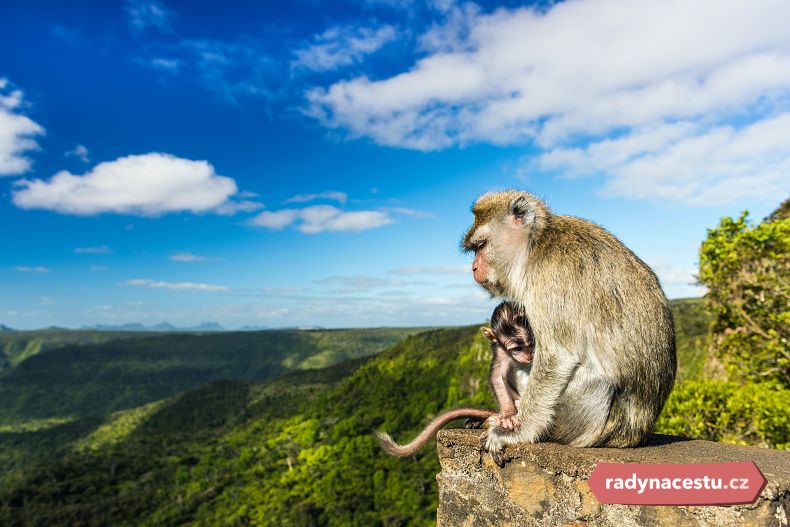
(513, 345)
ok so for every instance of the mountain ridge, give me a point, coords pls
(161, 327)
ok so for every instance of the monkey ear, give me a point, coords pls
(487, 333)
(520, 209)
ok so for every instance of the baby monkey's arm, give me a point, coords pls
(504, 392)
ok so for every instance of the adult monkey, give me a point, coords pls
(604, 360)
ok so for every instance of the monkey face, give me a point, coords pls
(482, 270)
(514, 338)
(520, 354)
(505, 226)
(519, 345)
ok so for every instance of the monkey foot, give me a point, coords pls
(473, 422)
(499, 456)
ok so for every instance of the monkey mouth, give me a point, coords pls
(492, 288)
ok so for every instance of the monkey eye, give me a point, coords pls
(479, 245)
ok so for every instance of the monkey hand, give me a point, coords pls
(509, 421)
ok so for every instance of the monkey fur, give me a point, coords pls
(512, 344)
(604, 359)
(513, 348)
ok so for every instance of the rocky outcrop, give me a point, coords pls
(547, 485)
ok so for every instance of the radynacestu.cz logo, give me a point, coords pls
(677, 484)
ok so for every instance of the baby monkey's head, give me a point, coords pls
(510, 330)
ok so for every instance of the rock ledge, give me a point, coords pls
(546, 485)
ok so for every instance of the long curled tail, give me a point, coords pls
(393, 448)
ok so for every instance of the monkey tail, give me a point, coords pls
(394, 449)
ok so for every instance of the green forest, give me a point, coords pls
(276, 428)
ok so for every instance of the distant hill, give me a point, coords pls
(238, 453)
(17, 346)
(132, 326)
(94, 379)
(207, 326)
(161, 327)
(253, 328)
(3, 327)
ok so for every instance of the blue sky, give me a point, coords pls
(313, 163)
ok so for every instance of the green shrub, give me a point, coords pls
(747, 414)
(746, 268)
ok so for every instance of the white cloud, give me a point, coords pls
(158, 284)
(231, 69)
(361, 285)
(681, 162)
(340, 197)
(411, 213)
(677, 282)
(357, 282)
(80, 152)
(165, 64)
(322, 218)
(187, 257)
(99, 249)
(275, 220)
(584, 66)
(432, 270)
(16, 132)
(395, 293)
(709, 73)
(231, 207)
(342, 46)
(37, 269)
(305, 310)
(143, 15)
(452, 34)
(283, 290)
(98, 268)
(145, 185)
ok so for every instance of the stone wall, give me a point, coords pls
(546, 485)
